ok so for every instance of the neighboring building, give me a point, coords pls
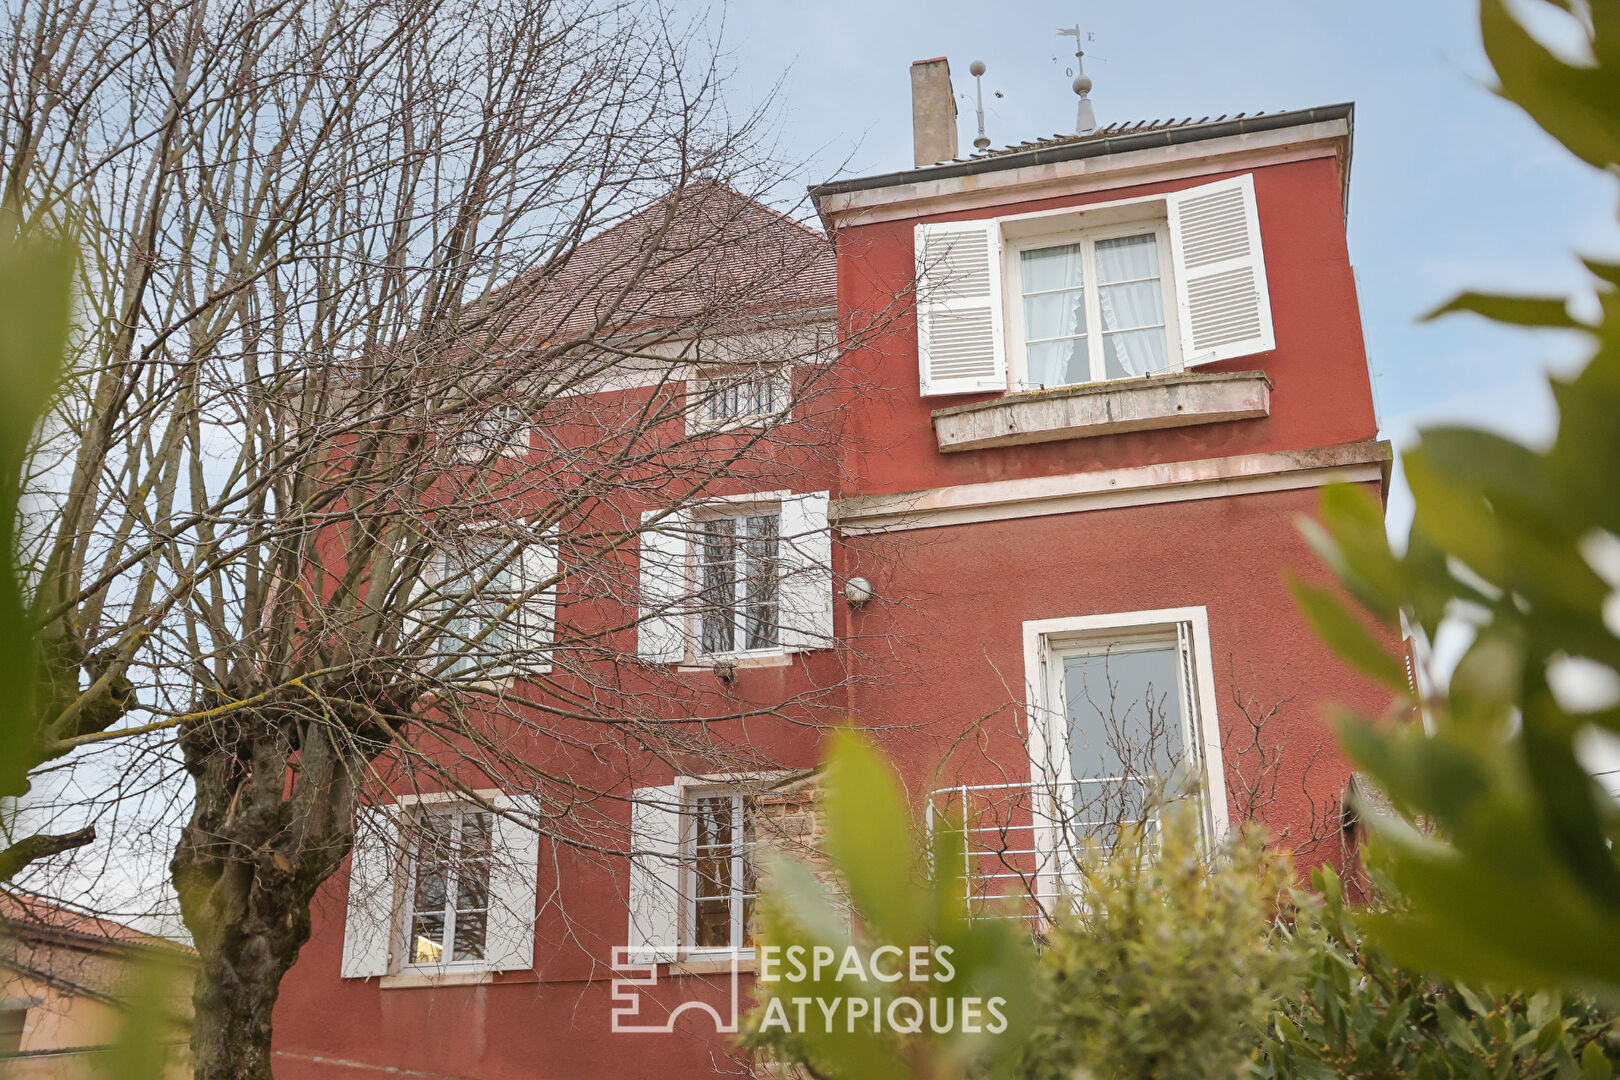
(1069, 474)
(66, 980)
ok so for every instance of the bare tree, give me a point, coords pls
(393, 313)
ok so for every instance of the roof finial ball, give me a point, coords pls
(1085, 120)
(976, 69)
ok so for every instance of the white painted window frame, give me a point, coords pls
(1046, 642)
(736, 508)
(700, 392)
(691, 790)
(472, 443)
(1084, 226)
(415, 807)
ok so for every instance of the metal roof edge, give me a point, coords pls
(1112, 144)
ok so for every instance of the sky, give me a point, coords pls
(1452, 188)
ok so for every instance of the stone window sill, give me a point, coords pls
(1106, 408)
(405, 980)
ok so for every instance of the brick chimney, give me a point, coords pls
(933, 111)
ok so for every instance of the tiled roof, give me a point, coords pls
(25, 911)
(707, 255)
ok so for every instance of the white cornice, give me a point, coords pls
(1140, 485)
(1235, 153)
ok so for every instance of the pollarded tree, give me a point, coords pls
(392, 316)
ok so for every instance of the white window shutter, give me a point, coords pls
(661, 634)
(368, 927)
(1221, 296)
(805, 594)
(514, 877)
(655, 874)
(960, 349)
(537, 616)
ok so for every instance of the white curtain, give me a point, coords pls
(1053, 282)
(1131, 299)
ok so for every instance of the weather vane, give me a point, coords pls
(1085, 120)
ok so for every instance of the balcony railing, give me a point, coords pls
(1022, 844)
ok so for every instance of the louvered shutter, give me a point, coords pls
(1224, 307)
(655, 874)
(514, 877)
(959, 338)
(806, 591)
(537, 616)
(665, 586)
(368, 925)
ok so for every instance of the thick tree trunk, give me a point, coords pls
(264, 834)
(248, 928)
(236, 993)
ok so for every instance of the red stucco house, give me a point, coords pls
(1040, 553)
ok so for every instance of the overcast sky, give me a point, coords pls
(1451, 187)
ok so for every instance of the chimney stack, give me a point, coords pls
(933, 111)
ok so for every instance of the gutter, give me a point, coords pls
(1123, 143)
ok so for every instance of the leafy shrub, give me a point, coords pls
(1171, 965)
(1362, 1016)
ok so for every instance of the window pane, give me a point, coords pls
(1127, 258)
(719, 585)
(432, 862)
(1132, 306)
(1124, 723)
(1045, 269)
(1136, 352)
(713, 929)
(1054, 315)
(427, 939)
(763, 570)
(1058, 363)
(712, 825)
(470, 931)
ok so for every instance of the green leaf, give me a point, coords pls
(1573, 104)
(869, 836)
(1541, 311)
(1335, 624)
(1594, 1064)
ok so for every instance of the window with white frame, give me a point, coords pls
(442, 887)
(740, 569)
(1126, 726)
(448, 919)
(1093, 308)
(722, 885)
(502, 430)
(481, 582)
(732, 398)
(498, 592)
(1108, 290)
(739, 576)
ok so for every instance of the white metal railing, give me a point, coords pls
(1022, 844)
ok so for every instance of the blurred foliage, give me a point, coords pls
(145, 1041)
(1360, 1015)
(883, 888)
(36, 302)
(1170, 965)
(1504, 846)
(36, 307)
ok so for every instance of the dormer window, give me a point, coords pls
(1085, 294)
